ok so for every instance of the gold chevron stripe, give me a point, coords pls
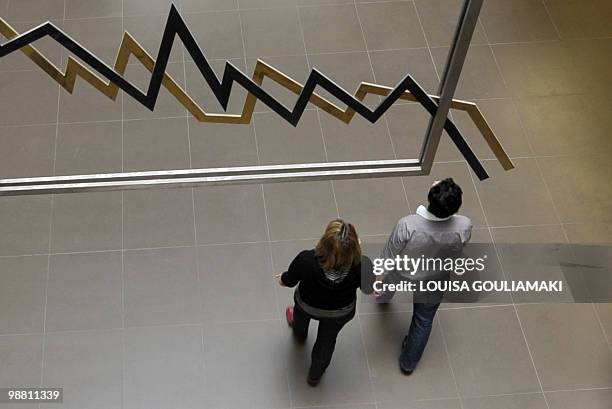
(129, 46)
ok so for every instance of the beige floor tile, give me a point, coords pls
(230, 214)
(524, 184)
(92, 8)
(299, 210)
(373, 205)
(519, 20)
(149, 7)
(580, 192)
(88, 148)
(579, 19)
(361, 140)
(18, 88)
(23, 297)
(86, 222)
(272, 32)
(331, 29)
(196, 6)
(537, 69)
(491, 357)
(281, 143)
(27, 151)
(28, 10)
(253, 295)
(217, 33)
(528, 401)
(155, 144)
(480, 77)
(390, 25)
(220, 145)
(84, 292)
(101, 36)
(578, 359)
(390, 67)
(564, 125)
(440, 18)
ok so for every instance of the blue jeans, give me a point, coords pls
(423, 315)
(420, 328)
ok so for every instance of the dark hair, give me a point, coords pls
(444, 198)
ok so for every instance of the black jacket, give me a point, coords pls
(318, 291)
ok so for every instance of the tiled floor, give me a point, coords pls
(166, 299)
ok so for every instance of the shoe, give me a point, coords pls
(403, 368)
(312, 381)
(289, 316)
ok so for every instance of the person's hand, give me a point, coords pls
(280, 281)
(376, 293)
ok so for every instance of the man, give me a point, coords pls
(434, 232)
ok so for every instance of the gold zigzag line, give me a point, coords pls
(129, 46)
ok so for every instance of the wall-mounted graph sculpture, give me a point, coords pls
(407, 89)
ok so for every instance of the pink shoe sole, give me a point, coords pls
(289, 316)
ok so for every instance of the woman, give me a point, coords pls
(328, 278)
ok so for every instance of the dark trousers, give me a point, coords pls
(326, 337)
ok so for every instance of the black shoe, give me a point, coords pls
(404, 369)
(312, 381)
(300, 340)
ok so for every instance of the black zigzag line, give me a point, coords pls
(175, 25)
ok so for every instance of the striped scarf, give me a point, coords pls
(336, 276)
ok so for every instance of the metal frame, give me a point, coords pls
(450, 79)
(407, 89)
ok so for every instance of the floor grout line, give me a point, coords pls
(269, 241)
(310, 67)
(51, 212)
(552, 20)
(388, 129)
(261, 112)
(376, 50)
(196, 254)
(442, 333)
(541, 172)
(140, 249)
(493, 239)
(361, 330)
(265, 209)
(511, 297)
(123, 348)
(450, 362)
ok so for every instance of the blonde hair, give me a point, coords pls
(338, 248)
